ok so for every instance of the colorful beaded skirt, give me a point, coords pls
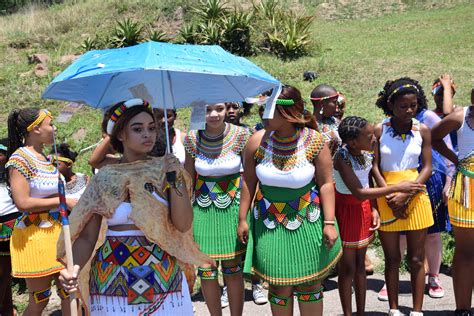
(286, 235)
(419, 211)
(435, 186)
(33, 245)
(132, 272)
(354, 218)
(216, 216)
(461, 195)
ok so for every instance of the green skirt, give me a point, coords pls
(216, 216)
(287, 237)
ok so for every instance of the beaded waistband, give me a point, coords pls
(41, 220)
(220, 191)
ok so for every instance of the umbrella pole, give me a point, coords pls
(170, 176)
(65, 228)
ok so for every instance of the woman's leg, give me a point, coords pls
(39, 293)
(6, 300)
(416, 257)
(434, 255)
(310, 299)
(281, 299)
(233, 276)
(346, 273)
(210, 289)
(463, 267)
(391, 249)
(360, 280)
(64, 296)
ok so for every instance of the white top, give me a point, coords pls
(123, 211)
(397, 154)
(465, 137)
(300, 150)
(42, 176)
(178, 147)
(216, 168)
(6, 202)
(75, 190)
(360, 165)
(292, 179)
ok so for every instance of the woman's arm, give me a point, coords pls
(448, 104)
(353, 184)
(323, 165)
(427, 167)
(249, 183)
(376, 174)
(189, 167)
(84, 245)
(21, 195)
(178, 199)
(103, 154)
(450, 123)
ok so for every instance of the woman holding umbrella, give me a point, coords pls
(147, 224)
(293, 239)
(33, 182)
(213, 158)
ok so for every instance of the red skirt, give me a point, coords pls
(354, 218)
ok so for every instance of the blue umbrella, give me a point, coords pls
(167, 75)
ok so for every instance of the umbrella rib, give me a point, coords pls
(233, 86)
(106, 88)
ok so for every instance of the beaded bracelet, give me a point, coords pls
(329, 222)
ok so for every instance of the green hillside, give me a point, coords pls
(356, 49)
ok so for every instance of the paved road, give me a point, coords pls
(436, 307)
(374, 307)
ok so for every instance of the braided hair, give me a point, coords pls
(18, 122)
(350, 128)
(399, 87)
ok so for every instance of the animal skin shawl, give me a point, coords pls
(112, 185)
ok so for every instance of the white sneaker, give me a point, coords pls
(224, 298)
(435, 290)
(395, 312)
(416, 313)
(259, 297)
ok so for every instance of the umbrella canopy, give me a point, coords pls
(167, 75)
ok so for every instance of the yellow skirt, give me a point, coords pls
(461, 195)
(33, 249)
(419, 211)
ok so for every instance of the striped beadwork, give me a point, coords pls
(292, 152)
(231, 270)
(207, 273)
(277, 300)
(42, 295)
(220, 193)
(310, 297)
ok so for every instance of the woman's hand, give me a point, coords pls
(70, 203)
(398, 202)
(446, 81)
(446, 188)
(69, 280)
(243, 231)
(410, 187)
(375, 220)
(330, 235)
(171, 163)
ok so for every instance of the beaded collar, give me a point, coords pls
(357, 162)
(223, 146)
(415, 126)
(291, 152)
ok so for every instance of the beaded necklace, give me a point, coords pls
(204, 147)
(290, 152)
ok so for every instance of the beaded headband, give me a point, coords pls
(403, 87)
(41, 116)
(438, 86)
(325, 98)
(63, 159)
(285, 102)
(121, 109)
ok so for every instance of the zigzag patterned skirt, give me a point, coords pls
(287, 237)
(216, 216)
(132, 276)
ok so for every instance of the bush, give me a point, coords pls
(236, 33)
(127, 33)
